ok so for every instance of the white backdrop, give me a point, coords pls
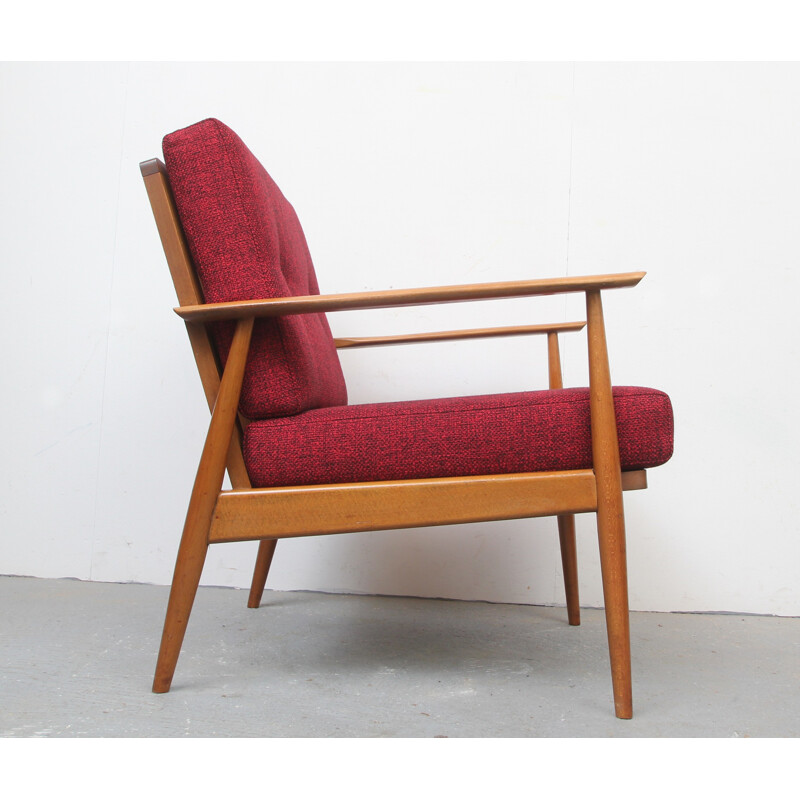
(410, 175)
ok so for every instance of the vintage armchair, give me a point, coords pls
(303, 462)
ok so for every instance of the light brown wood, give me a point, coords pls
(312, 304)
(179, 261)
(151, 167)
(266, 550)
(610, 515)
(208, 482)
(282, 512)
(187, 287)
(569, 564)
(268, 514)
(556, 380)
(188, 290)
(445, 336)
(636, 479)
(381, 505)
(566, 522)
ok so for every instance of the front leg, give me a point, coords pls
(207, 485)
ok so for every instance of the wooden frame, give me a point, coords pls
(244, 513)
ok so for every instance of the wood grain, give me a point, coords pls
(445, 336)
(208, 482)
(311, 304)
(610, 515)
(188, 290)
(268, 514)
(382, 505)
(243, 515)
(566, 522)
(266, 551)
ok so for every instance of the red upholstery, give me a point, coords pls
(247, 243)
(490, 434)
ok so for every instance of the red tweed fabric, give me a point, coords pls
(485, 435)
(247, 243)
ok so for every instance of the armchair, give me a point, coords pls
(304, 462)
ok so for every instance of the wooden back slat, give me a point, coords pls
(189, 292)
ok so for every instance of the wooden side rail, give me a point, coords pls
(446, 336)
(312, 304)
(356, 507)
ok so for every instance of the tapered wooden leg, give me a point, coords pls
(611, 533)
(610, 516)
(207, 484)
(188, 568)
(566, 522)
(569, 563)
(266, 549)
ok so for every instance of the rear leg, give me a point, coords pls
(266, 549)
(569, 561)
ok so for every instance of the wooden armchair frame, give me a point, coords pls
(245, 513)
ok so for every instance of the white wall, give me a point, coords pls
(409, 175)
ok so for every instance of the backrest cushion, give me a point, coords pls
(247, 244)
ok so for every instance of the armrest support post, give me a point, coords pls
(554, 361)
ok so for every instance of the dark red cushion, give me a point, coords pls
(485, 435)
(247, 243)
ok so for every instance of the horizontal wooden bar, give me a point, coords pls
(315, 510)
(444, 336)
(284, 512)
(310, 304)
(637, 479)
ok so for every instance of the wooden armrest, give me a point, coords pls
(442, 336)
(311, 304)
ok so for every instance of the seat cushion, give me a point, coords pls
(484, 435)
(246, 243)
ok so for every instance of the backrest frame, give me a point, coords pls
(187, 288)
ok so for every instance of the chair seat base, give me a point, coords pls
(284, 512)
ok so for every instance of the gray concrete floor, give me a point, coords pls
(77, 660)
